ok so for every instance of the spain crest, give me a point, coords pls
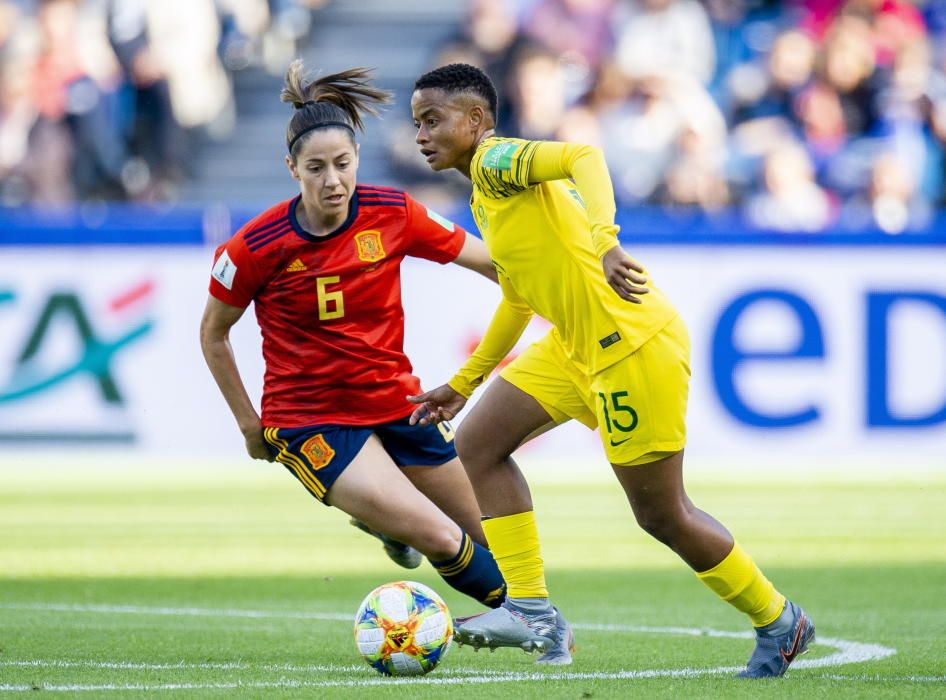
(369, 246)
(317, 451)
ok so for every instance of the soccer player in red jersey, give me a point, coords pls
(323, 271)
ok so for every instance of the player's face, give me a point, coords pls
(447, 131)
(326, 167)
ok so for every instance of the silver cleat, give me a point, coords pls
(508, 626)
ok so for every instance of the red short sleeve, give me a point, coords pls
(234, 279)
(432, 236)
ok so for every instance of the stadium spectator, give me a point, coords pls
(892, 202)
(167, 49)
(9, 17)
(580, 124)
(791, 199)
(895, 24)
(770, 92)
(117, 85)
(75, 79)
(665, 37)
(911, 108)
(17, 110)
(850, 79)
(823, 127)
(731, 21)
(663, 117)
(17, 119)
(577, 30)
(816, 16)
(849, 67)
(492, 32)
(696, 178)
(243, 24)
(536, 94)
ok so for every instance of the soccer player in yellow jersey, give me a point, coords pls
(617, 358)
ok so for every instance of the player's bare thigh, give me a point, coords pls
(448, 486)
(373, 489)
(504, 418)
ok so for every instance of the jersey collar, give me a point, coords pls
(305, 235)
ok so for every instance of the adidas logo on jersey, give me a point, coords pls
(296, 266)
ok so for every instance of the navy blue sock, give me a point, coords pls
(473, 571)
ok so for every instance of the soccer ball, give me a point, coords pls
(403, 629)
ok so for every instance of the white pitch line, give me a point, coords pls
(182, 666)
(847, 652)
(884, 679)
(184, 612)
(427, 680)
(226, 666)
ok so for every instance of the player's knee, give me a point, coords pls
(475, 452)
(467, 450)
(438, 543)
(657, 522)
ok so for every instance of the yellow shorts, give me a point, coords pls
(639, 402)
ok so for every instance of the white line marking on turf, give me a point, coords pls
(185, 612)
(181, 665)
(497, 678)
(223, 666)
(847, 652)
(885, 679)
(442, 681)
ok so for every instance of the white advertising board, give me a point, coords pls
(806, 353)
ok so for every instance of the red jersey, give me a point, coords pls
(329, 307)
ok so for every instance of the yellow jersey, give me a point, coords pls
(538, 227)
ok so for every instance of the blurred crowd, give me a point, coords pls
(805, 114)
(100, 99)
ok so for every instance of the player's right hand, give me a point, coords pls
(256, 446)
(436, 405)
(624, 275)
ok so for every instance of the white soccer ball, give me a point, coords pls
(403, 629)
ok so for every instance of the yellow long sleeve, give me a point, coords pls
(586, 167)
(508, 322)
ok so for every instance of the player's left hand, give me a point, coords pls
(436, 405)
(624, 275)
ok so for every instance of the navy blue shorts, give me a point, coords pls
(318, 454)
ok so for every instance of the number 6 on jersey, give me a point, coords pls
(325, 297)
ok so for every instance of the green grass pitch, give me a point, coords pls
(143, 580)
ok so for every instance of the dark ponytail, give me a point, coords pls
(337, 100)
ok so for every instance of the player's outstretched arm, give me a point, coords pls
(586, 166)
(474, 256)
(504, 330)
(215, 327)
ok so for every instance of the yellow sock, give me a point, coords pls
(738, 581)
(514, 542)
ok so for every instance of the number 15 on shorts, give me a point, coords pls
(619, 417)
